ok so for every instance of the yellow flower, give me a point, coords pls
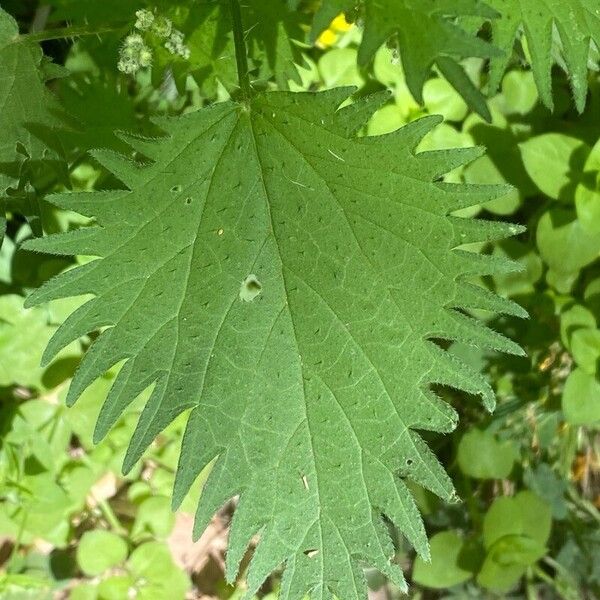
(340, 24)
(331, 35)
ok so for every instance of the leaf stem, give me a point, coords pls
(111, 517)
(11, 562)
(241, 56)
(65, 33)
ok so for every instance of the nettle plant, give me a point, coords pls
(267, 268)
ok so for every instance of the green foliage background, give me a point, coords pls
(528, 525)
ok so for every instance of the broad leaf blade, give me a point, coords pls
(283, 279)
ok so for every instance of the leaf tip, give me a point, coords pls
(129, 462)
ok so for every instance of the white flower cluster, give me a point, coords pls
(176, 46)
(134, 55)
(162, 27)
(145, 19)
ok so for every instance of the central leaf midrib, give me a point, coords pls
(290, 312)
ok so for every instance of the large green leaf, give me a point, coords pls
(98, 108)
(285, 281)
(426, 32)
(24, 101)
(577, 23)
(429, 32)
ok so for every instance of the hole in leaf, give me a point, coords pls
(311, 553)
(176, 189)
(188, 200)
(250, 288)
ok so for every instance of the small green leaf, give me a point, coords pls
(388, 71)
(591, 295)
(523, 515)
(581, 398)
(587, 201)
(154, 516)
(442, 99)
(85, 591)
(445, 137)
(23, 335)
(156, 576)
(587, 194)
(515, 532)
(555, 162)
(585, 348)
(563, 243)
(338, 67)
(118, 587)
(387, 119)
(100, 550)
(451, 562)
(482, 456)
(507, 560)
(519, 94)
(516, 550)
(78, 479)
(572, 319)
(550, 487)
(561, 281)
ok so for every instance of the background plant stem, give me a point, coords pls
(241, 57)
